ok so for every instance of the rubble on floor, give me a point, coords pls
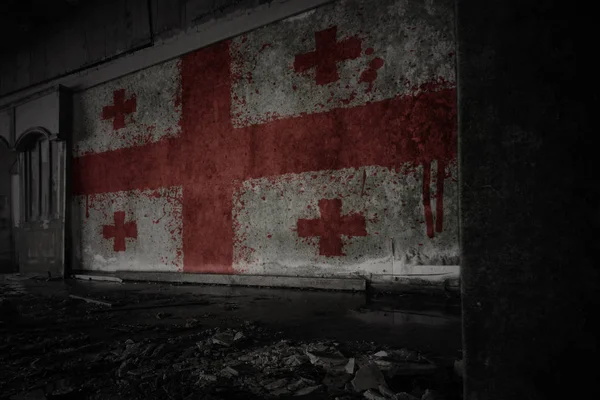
(96, 356)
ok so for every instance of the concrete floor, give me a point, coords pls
(421, 322)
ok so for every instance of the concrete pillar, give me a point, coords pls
(529, 200)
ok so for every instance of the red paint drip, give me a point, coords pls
(120, 230)
(369, 51)
(87, 206)
(331, 226)
(327, 54)
(427, 198)
(439, 203)
(119, 109)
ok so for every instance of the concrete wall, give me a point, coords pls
(94, 32)
(529, 201)
(321, 145)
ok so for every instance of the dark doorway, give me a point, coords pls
(41, 228)
(7, 166)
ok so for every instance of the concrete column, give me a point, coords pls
(529, 200)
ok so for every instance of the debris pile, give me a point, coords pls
(76, 349)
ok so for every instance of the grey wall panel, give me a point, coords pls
(87, 47)
(8, 73)
(137, 19)
(23, 77)
(56, 53)
(168, 17)
(5, 126)
(38, 68)
(42, 112)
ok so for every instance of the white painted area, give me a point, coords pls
(5, 126)
(41, 112)
(267, 210)
(157, 93)
(416, 45)
(158, 218)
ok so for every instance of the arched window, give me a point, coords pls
(38, 176)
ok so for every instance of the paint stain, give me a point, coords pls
(370, 74)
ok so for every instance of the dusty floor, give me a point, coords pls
(208, 342)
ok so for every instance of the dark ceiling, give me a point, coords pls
(21, 19)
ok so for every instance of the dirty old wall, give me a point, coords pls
(324, 144)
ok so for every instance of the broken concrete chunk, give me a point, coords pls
(328, 359)
(374, 395)
(228, 371)
(223, 339)
(350, 366)
(300, 383)
(307, 390)
(238, 336)
(202, 377)
(295, 360)
(381, 354)
(368, 377)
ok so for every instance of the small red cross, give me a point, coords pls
(120, 109)
(120, 230)
(331, 226)
(328, 52)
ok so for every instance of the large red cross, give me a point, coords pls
(210, 158)
(327, 54)
(120, 230)
(331, 226)
(119, 109)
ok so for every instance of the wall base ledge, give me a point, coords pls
(339, 284)
(448, 283)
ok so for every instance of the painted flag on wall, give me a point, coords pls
(319, 145)
(340, 56)
(137, 230)
(134, 110)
